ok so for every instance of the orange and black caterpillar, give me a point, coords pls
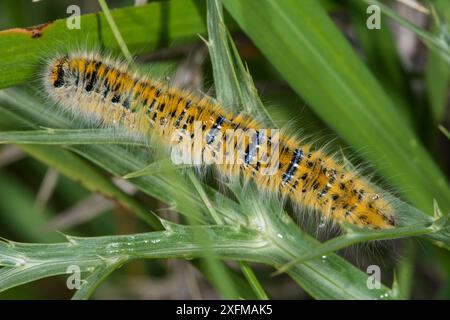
(108, 91)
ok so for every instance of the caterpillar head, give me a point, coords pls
(59, 71)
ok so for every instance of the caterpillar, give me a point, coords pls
(112, 93)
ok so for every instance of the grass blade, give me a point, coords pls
(115, 31)
(22, 49)
(51, 136)
(253, 281)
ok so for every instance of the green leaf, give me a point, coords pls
(145, 28)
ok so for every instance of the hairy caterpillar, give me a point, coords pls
(110, 92)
